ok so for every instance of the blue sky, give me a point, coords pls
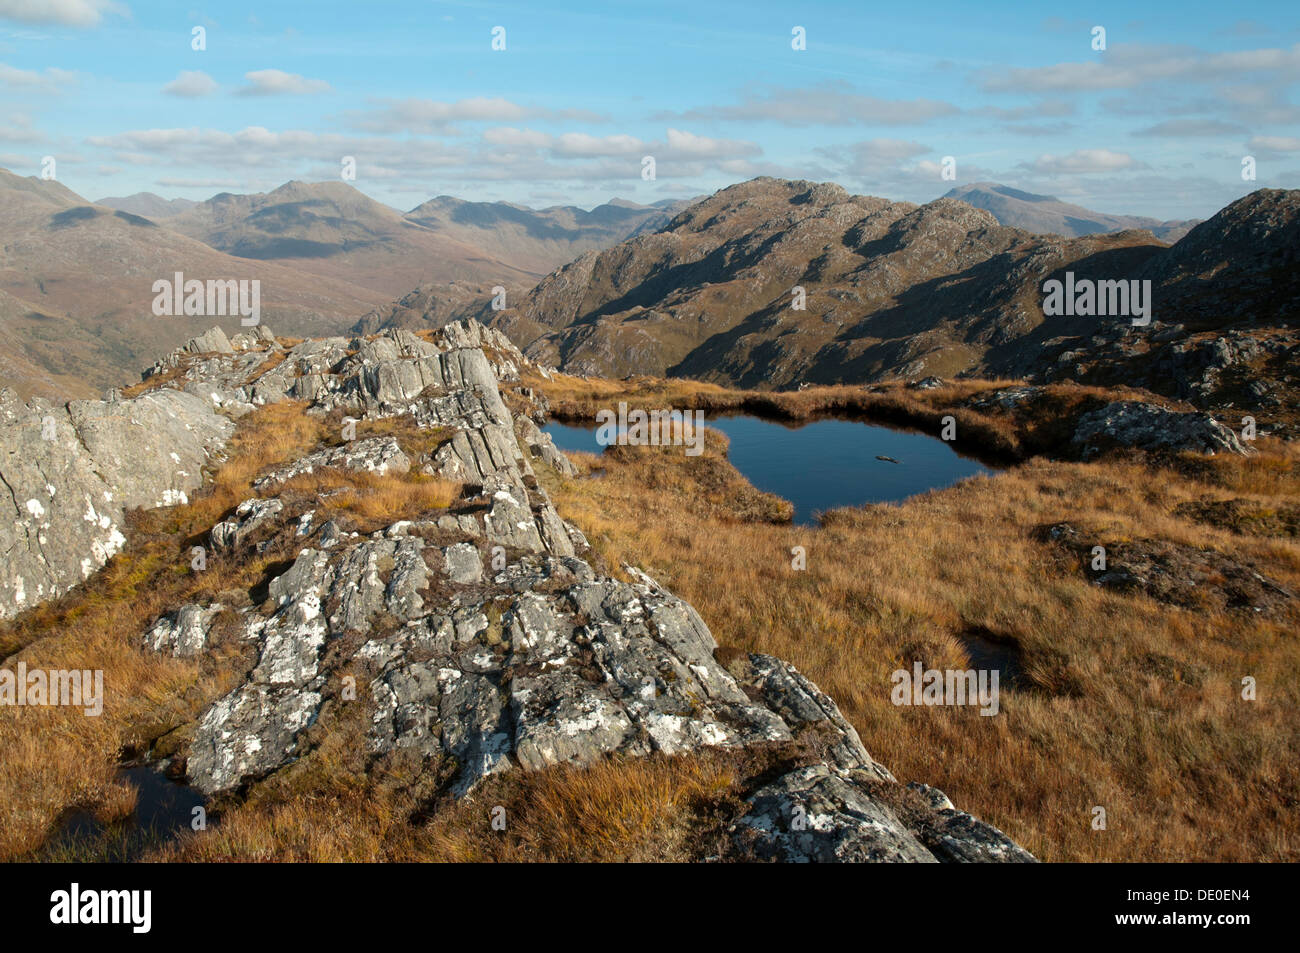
(1156, 124)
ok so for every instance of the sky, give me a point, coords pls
(1156, 123)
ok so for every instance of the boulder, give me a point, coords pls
(212, 341)
(1130, 423)
(70, 473)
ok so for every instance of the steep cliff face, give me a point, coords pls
(478, 638)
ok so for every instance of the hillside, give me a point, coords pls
(79, 284)
(147, 204)
(894, 290)
(539, 240)
(395, 627)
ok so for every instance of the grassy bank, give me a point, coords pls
(1041, 424)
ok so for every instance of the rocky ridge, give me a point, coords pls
(480, 640)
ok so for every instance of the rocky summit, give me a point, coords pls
(479, 638)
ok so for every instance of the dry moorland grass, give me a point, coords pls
(334, 804)
(1124, 703)
(56, 759)
(617, 810)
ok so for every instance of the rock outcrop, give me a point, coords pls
(1174, 573)
(1132, 423)
(70, 473)
(480, 640)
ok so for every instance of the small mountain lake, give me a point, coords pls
(822, 464)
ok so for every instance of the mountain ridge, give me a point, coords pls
(890, 289)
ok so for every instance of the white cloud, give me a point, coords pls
(829, 104)
(579, 144)
(81, 13)
(872, 155)
(201, 183)
(433, 116)
(1038, 129)
(1274, 144)
(682, 143)
(510, 137)
(274, 82)
(1128, 66)
(504, 155)
(17, 127)
(1084, 161)
(191, 84)
(48, 79)
(1047, 108)
(677, 144)
(1182, 128)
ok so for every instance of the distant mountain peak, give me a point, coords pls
(1008, 191)
(1048, 215)
(148, 204)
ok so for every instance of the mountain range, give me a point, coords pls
(76, 277)
(776, 284)
(704, 289)
(331, 228)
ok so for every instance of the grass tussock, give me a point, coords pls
(156, 381)
(369, 501)
(618, 810)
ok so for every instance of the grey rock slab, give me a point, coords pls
(1135, 424)
(377, 455)
(68, 475)
(463, 563)
(813, 814)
